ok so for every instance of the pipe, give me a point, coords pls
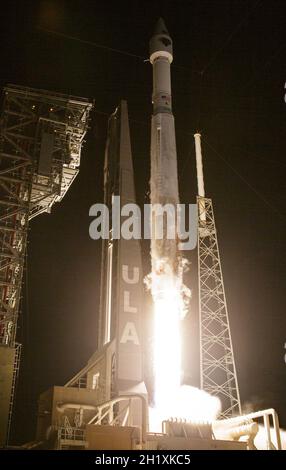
(61, 407)
(199, 162)
(259, 414)
(112, 402)
(200, 179)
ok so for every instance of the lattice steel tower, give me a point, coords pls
(217, 366)
(40, 146)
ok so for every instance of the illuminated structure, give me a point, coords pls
(41, 138)
(217, 365)
(104, 406)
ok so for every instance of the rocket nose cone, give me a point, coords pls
(161, 28)
(161, 42)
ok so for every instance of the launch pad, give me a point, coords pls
(70, 418)
(105, 406)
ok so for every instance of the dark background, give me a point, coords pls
(228, 82)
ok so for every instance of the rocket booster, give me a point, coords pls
(167, 289)
(164, 174)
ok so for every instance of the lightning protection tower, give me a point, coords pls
(217, 366)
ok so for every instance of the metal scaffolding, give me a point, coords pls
(217, 365)
(41, 138)
(16, 366)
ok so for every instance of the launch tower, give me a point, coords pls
(41, 138)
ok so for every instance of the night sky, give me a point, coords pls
(228, 81)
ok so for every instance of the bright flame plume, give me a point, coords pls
(167, 348)
(171, 400)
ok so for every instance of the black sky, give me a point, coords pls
(228, 82)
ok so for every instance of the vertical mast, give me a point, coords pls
(217, 366)
(200, 176)
(199, 162)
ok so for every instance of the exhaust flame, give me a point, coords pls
(167, 348)
(171, 400)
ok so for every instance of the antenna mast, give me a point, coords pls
(217, 366)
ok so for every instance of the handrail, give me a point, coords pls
(110, 403)
(105, 409)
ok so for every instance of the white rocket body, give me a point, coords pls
(164, 174)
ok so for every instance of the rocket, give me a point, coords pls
(165, 257)
(170, 296)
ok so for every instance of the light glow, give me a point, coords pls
(167, 348)
(167, 342)
(171, 399)
(188, 403)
